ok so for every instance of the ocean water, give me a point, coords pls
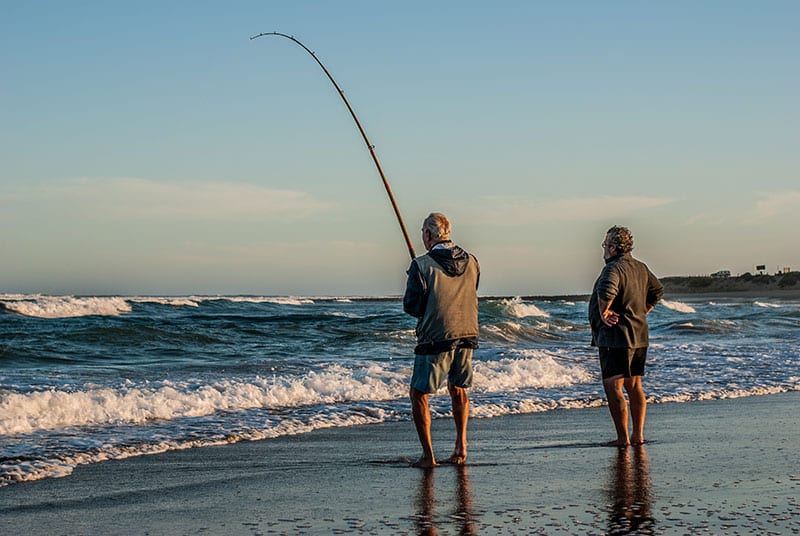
(87, 379)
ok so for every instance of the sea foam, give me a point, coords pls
(23, 413)
(531, 369)
(66, 306)
(45, 410)
(678, 306)
(175, 302)
(519, 309)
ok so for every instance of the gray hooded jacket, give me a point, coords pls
(441, 292)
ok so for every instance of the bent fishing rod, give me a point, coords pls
(363, 135)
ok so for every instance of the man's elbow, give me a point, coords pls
(412, 307)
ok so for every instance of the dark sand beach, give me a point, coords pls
(710, 467)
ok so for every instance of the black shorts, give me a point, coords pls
(625, 362)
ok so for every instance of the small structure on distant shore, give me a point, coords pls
(722, 273)
(762, 285)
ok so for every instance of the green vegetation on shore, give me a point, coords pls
(749, 283)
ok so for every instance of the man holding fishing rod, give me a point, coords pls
(442, 293)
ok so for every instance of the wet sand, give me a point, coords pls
(712, 467)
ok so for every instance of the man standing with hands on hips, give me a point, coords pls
(441, 292)
(622, 296)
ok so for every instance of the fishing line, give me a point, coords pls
(363, 135)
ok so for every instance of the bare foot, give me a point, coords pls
(424, 463)
(457, 459)
(637, 442)
(619, 443)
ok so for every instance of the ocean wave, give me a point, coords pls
(285, 300)
(519, 309)
(715, 326)
(84, 390)
(66, 306)
(513, 332)
(678, 306)
(254, 409)
(29, 467)
(58, 466)
(530, 369)
(174, 302)
(46, 410)
(24, 413)
(42, 306)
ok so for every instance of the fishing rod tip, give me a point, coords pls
(262, 34)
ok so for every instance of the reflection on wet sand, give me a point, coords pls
(425, 518)
(463, 504)
(629, 493)
(426, 499)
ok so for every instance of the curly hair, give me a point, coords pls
(438, 225)
(621, 238)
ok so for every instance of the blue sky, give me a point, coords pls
(153, 148)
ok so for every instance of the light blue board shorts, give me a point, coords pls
(431, 370)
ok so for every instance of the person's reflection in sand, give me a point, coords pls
(629, 493)
(464, 502)
(425, 518)
(426, 499)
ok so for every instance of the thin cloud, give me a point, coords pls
(707, 219)
(131, 198)
(512, 211)
(774, 205)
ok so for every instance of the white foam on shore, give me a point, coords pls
(532, 405)
(31, 470)
(533, 369)
(678, 306)
(721, 394)
(93, 452)
(338, 396)
(47, 410)
(22, 413)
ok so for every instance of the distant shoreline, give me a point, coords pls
(744, 286)
(777, 286)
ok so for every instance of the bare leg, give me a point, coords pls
(618, 407)
(460, 400)
(422, 421)
(638, 400)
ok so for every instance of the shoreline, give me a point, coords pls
(718, 465)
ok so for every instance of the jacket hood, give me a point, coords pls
(451, 258)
